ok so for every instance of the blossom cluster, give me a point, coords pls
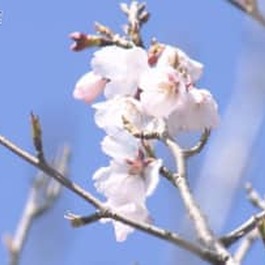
(155, 90)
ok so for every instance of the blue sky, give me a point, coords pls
(38, 72)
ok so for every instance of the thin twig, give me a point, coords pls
(245, 246)
(199, 146)
(42, 195)
(204, 233)
(84, 41)
(254, 197)
(137, 16)
(250, 7)
(258, 202)
(203, 253)
(108, 37)
(134, 131)
(37, 135)
(230, 238)
(180, 181)
(78, 220)
(206, 254)
(50, 171)
(200, 223)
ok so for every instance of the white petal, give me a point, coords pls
(175, 57)
(120, 146)
(122, 66)
(163, 90)
(193, 68)
(116, 184)
(89, 86)
(109, 114)
(158, 104)
(136, 212)
(204, 112)
(200, 112)
(152, 176)
(167, 57)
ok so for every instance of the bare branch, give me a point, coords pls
(204, 233)
(37, 135)
(205, 254)
(42, 195)
(242, 230)
(78, 220)
(258, 202)
(251, 8)
(254, 197)
(105, 38)
(50, 171)
(199, 146)
(137, 16)
(133, 130)
(245, 246)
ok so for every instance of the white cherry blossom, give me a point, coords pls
(109, 113)
(156, 97)
(198, 113)
(89, 86)
(163, 90)
(126, 148)
(122, 67)
(127, 181)
(126, 186)
(178, 59)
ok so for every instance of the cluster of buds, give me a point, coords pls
(155, 90)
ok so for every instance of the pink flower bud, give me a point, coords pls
(83, 41)
(89, 86)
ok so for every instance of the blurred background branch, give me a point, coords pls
(251, 8)
(43, 194)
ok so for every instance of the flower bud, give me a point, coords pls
(83, 41)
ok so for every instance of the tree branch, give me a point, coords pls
(250, 7)
(137, 16)
(50, 171)
(204, 233)
(250, 229)
(205, 254)
(171, 237)
(42, 195)
(258, 202)
(245, 246)
(78, 220)
(254, 197)
(230, 238)
(199, 146)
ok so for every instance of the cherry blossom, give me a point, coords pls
(109, 113)
(163, 90)
(126, 184)
(89, 86)
(125, 147)
(155, 92)
(122, 67)
(199, 112)
(178, 59)
(129, 179)
(136, 212)
(115, 70)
